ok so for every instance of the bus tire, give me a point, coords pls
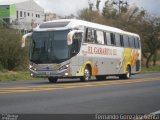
(101, 77)
(121, 76)
(128, 72)
(87, 74)
(52, 79)
(127, 75)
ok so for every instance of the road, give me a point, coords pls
(140, 94)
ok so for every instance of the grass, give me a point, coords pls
(15, 75)
(151, 69)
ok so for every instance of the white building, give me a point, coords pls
(21, 14)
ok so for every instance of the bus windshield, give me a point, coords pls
(49, 47)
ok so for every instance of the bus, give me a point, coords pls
(71, 48)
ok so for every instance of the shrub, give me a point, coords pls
(12, 55)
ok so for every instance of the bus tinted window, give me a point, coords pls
(139, 44)
(112, 39)
(126, 41)
(121, 40)
(90, 36)
(100, 37)
(136, 42)
(132, 43)
(117, 38)
(108, 38)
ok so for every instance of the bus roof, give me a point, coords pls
(74, 23)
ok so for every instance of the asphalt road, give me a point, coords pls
(140, 94)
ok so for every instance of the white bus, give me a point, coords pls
(71, 48)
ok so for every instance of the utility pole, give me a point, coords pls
(120, 3)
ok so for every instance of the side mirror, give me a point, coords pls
(70, 36)
(24, 37)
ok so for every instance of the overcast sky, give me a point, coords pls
(66, 7)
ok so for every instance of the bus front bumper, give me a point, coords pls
(55, 73)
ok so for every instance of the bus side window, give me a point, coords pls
(129, 43)
(137, 43)
(132, 43)
(121, 40)
(108, 38)
(126, 41)
(112, 38)
(117, 38)
(100, 37)
(90, 36)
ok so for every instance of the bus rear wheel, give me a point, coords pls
(87, 74)
(52, 79)
(127, 75)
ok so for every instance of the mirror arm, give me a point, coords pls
(70, 35)
(24, 39)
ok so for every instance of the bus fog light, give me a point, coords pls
(32, 75)
(66, 74)
(35, 69)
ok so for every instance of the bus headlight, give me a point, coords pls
(30, 66)
(64, 67)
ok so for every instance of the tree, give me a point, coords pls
(11, 54)
(90, 5)
(108, 10)
(151, 40)
(92, 16)
(97, 4)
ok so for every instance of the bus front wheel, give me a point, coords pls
(87, 74)
(52, 79)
